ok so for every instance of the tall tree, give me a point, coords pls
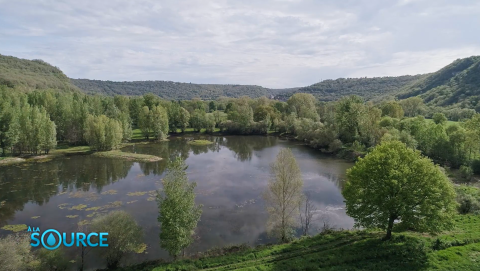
(145, 121)
(394, 182)
(159, 122)
(178, 213)
(283, 195)
(303, 105)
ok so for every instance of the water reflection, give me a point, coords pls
(231, 175)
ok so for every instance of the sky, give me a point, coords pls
(271, 43)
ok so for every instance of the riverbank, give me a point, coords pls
(458, 249)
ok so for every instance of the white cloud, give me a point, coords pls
(269, 43)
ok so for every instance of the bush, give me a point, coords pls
(15, 253)
(466, 172)
(124, 236)
(468, 199)
(52, 260)
(476, 166)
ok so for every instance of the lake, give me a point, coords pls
(231, 175)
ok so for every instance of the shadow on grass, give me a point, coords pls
(399, 253)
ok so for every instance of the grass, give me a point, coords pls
(458, 249)
(200, 142)
(128, 156)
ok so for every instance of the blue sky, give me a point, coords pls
(277, 43)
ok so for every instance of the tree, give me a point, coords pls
(394, 182)
(439, 118)
(15, 254)
(210, 123)
(178, 213)
(159, 122)
(124, 236)
(52, 260)
(304, 106)
(212, 106)
(349, 111)
(412, 106)
(197, 120)
(145, 121)
(392, 109)
(183, 119)
(283, 195)
(103, 133)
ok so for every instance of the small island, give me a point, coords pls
(200, 142)
(128, 156)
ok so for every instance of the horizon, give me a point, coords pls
(276, 44)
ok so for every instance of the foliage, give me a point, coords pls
(26, 74)
(178, 213)
(52, 260)
(283, 195)
(124, 236)
(468, 198)
(15, 253)
(103, 133)
(394, 182)
(454, 85)
(368, 88)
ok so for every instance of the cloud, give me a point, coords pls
(270, 43)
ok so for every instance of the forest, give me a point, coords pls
(33, 122)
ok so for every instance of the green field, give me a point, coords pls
(458, 249)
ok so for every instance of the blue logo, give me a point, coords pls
(52, 239)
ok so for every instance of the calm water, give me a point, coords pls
(230, 174)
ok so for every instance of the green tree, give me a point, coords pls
(15, 254)
(52, 260)
(197, 120)
(412, 106)
(183, 119)
(392, 109)
(178, 213)
(394, 182)
(283, 195)
(145, 121)
(103, 133)
(212, 106)
(439, 118)
(124, 236)
(303, 105)
(159, 122)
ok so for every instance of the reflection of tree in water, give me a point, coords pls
(243, 146)
(339, 182)
(38, 182)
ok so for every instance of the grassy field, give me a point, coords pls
(458, 249)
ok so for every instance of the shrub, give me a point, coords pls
(52, 260)
(15, 253)
(124, 236)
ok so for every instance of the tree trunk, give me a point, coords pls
(389, 228)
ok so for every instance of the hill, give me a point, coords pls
(456, 85)
(368, 88)
(170, 90)
(348, 250)
(32, 74)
